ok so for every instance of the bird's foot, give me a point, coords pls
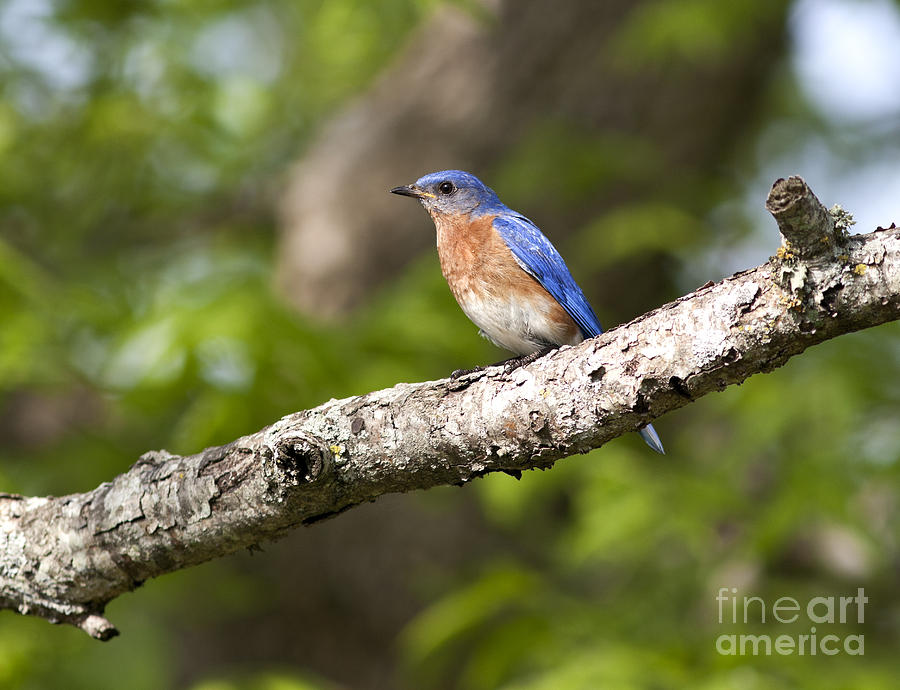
(457, 373)
(510, 365)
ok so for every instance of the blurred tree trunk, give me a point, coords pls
(469, 87)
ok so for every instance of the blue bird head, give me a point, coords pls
(452, 192)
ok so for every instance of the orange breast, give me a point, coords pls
(508, 305)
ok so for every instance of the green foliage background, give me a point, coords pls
(137, 178)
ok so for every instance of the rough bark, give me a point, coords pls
(64, 558)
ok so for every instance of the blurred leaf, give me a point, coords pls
(677, 33)
(458, 614)
(584, 163)
(629, 231)
(264, 681)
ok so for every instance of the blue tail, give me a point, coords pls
(651, 438)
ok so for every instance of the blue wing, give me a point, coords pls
(541, 261)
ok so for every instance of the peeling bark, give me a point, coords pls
(64, 558)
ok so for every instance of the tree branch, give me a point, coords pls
(65, 558)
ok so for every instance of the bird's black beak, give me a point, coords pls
(410, 190)
(405, 190)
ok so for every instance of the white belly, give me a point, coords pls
(520, 326)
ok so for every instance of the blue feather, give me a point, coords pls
(462, 195)
(539, 259)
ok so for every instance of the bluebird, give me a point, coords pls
(507, 277)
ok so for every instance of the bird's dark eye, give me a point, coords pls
(446, 187)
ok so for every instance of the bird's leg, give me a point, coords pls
(456, 373)
(509, 365)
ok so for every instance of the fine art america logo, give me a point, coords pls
(830, 612)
